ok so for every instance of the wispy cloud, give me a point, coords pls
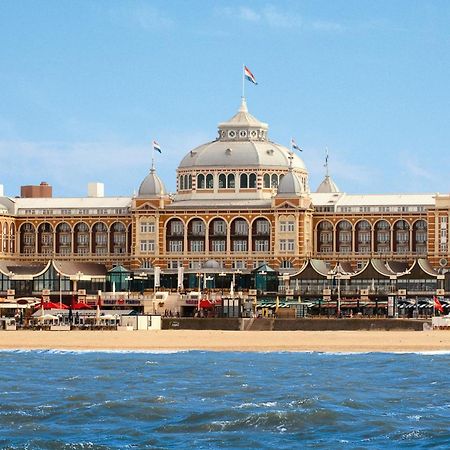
(142, 15)
(328, 26)
(276, 17)
(69, 166)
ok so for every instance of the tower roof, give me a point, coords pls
(327, 186)
(290, 185)
(152, 186)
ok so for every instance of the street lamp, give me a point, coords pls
(60, 290)
(222, 275)
(236, 272)
(128, 279)
(338, 274)
(199, 292)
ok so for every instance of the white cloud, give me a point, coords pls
(276, 17)
(328, 26)
(68, 167)
(249, 14)
(142, 15)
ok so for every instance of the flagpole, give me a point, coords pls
(243, 81)
(153, 157)
(326, 161)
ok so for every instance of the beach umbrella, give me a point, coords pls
(206, 304)
(51, 305)
(81, 305)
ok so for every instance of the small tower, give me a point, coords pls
(328, 185)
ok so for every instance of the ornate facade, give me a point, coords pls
(241, 200)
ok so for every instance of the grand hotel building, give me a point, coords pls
(241, 200)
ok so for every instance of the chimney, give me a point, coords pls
(96, 190)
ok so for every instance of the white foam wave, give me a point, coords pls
(75, 352)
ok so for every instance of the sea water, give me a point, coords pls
(99, 400)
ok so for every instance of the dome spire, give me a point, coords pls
(243, 108)
(327, 185)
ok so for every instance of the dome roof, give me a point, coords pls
(224, 154)
(151, 186)
(290, 185)
(242, 142)
(327, 186)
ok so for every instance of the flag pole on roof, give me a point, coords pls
(243, 81)
(157, 147)
(326, 161)
(246, 73)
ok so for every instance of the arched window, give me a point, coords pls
(190, 182)
(200, 181)
(325, 237)
(27, 238)
(222, 181)
(401, 236)
(252, 181)
(344, 237)
(81, 238)
(420, 237)
(181, 182)
(230, 181)
(174, 236)
(266, 180)
(382, 236)
(244, 181)
(363, 236)
(209, 181)
(118, 238)
(63, 238)
(274, 182)
(261, 235)
(12, 234)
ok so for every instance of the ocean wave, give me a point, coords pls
(57, 351)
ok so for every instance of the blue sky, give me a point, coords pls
(86, 86)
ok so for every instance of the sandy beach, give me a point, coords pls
(330, 341)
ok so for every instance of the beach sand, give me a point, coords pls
(323, 341)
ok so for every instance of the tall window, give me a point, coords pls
(244, 181)
(200, 181)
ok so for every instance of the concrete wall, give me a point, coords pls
(347, 324)
(292, 324)
(200, 324)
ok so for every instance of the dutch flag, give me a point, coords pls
(156, 147)
(294, 145)
(249, 75)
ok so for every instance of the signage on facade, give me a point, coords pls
(121, 301)
(81, 292)
(46, 292)
(440, 292)
(402, 292)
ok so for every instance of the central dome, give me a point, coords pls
(242, 142)
(241, 163)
